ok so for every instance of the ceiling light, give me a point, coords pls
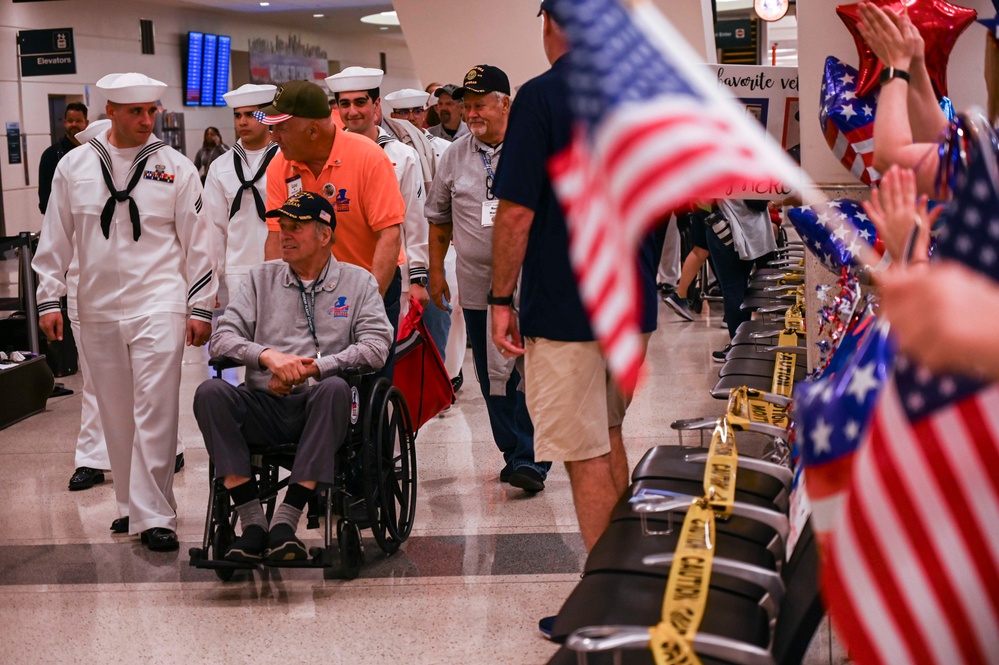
(318, 15)
(771, 10)
(384, 18)
(265, 4)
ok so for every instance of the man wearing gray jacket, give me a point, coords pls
(297, 324)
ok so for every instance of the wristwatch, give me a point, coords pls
(889, 73)
(505, 301)
(423, 281)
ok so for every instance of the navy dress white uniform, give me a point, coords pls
(146, 264)
(235, 193)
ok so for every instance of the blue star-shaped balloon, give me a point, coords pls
(835, 232)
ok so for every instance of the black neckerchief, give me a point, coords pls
(238, 157)
(138, 166)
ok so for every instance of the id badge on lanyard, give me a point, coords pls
(489, 212)
(294, 185)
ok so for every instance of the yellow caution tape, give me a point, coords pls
(783, 381)
(721, 468)
(686, 596)
(747, 406)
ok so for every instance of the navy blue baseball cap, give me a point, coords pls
(306, 207)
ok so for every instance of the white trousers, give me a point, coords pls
(454, 352)
(669, 262)
(135, 365)
(91, 450)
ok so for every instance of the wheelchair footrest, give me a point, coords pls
(198, 560)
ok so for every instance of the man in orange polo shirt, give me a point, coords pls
(352, 172)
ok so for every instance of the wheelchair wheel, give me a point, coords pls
(390, 472)
(348, 538)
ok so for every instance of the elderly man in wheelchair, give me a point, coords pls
(298, 325)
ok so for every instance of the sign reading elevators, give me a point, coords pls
(46, 52)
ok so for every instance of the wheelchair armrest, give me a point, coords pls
(223, 362)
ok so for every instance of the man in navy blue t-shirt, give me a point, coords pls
(576, 408)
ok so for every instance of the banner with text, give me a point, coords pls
(769, 94)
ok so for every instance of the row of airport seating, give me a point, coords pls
(759, 585)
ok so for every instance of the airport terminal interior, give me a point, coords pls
(484, 561)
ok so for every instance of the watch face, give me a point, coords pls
(771, 10)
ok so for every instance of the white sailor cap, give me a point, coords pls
(96, 128)
(131, 88)
(250, 94)
(407, 98)
(355, 78)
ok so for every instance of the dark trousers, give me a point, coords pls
(733, 278)
(392, 309)
(234, 418)
(511, 424)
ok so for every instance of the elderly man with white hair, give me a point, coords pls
(129, 207)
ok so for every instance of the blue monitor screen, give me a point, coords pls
(192, 86)
(208, 71)
(222, 70)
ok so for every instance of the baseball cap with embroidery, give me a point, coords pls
(295, 99)
(306, 207)
(481, 79)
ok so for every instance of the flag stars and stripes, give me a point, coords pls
(847, 111)
(863, 382)
(820, 437)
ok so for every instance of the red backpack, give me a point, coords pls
(419, 371)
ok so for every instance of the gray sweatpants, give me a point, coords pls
(232, 419)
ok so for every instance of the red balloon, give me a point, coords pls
(938, 21)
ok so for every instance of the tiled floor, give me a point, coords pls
(484, 563)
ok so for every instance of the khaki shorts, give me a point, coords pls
(572, 399)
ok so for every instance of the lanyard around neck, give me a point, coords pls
(490, 176)
(310, 309)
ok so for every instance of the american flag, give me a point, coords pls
(912, 572)
(651, 133)
(848, 120)
(832, 414)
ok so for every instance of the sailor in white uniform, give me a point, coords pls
(358, 100)
(236, 187)
(91, 451)
(129, 207)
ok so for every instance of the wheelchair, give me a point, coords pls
(374, 487)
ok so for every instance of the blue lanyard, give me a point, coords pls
(310, 310)
(490, 176)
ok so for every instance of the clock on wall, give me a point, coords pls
(771, 10)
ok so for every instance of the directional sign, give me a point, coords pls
(46, 52)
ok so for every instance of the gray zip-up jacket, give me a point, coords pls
(351, 326)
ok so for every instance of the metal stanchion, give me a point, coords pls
(27, 280)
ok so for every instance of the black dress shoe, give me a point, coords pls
(179, 464)
(457, 381)
(120, 525)
(527, 479)
(159, 539)
(84, 478)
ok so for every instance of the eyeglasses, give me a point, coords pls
(413, 111)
